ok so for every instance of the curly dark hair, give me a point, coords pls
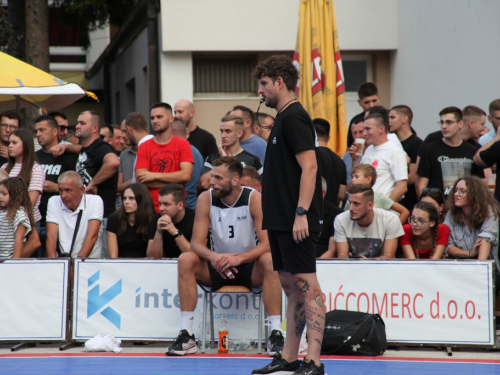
(480, 199)
(18, 198)
(278, 66)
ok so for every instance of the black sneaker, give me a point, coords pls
(275, 343)
(278, 367)
(183, 344)
(308, 367)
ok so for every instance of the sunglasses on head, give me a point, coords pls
(431, 190)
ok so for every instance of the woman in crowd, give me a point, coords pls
(127, 229)
(436, 197)
(424, 237)
(473, 221)
(22, 163)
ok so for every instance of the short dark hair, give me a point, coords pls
(322, 127)
(457, 112)
(367, 170)
(364, 189)
(12, 116)
(58, 114)
(248, 114)
(136, 121)
(367, 89)
(494, 106)
(405, 111)
(50, 121)
(382, 111)
(109, 127)
(472, 111)
(377, 117)
(236, 119)
(262, 115)
(232, 163)
(249, 171)
(278, 66)
(94, 117)
(176, 190)
(167, 106)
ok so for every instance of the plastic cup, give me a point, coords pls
(360, 146)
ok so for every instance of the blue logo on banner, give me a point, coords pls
(96, 300)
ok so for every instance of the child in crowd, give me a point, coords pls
(436, 197)
(16, 217)
(424, 237)
(366, 174)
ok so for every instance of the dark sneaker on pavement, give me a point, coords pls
(183, 344)
(278, 367)
(275, 343)
(308, 367)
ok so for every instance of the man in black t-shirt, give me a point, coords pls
(400, 118)
(170, 231)
(293, 215)
(332, 166)
(231, 129)
(443, 161)
(97, 165)
(47, 133)
(203, 140)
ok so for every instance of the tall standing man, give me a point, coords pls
(292, 208)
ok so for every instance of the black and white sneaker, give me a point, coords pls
(275, 343)
(183, 344)
(308, 367)
(278, 367)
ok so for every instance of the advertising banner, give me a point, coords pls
(420, 301)
(33, 299)
(138, 300)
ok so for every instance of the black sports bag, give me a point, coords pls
(353, 333)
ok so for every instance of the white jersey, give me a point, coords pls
(231, 227)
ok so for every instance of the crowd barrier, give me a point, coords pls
(421, 302)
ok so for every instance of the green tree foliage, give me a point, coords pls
(90, 15)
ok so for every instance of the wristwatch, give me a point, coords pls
(178, 234)
(301, 211)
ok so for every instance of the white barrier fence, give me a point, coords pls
(33, 299)
(427, 302)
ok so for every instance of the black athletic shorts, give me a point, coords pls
(243, 277)
(290, 256)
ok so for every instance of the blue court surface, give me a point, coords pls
(104, 364)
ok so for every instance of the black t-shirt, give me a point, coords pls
(411, 146)
(246, 159)
(330, 212)
(3, 160)
(130, 244)
(431, 137)
(293, 132)
(89, 162)
(170, 248)
(204, 141)
(334, 171)
(443, 164)
(491, 156)
(53, 167)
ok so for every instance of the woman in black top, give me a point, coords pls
(127, 228)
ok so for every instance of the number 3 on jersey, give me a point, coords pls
(231, 231)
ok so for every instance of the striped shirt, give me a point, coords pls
(8, 230)
(36, 183)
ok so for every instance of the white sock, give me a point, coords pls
(275, 322)
(187, 318)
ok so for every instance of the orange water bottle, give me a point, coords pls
(223, 337)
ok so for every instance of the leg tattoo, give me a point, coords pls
(299, 318)
(302, 285)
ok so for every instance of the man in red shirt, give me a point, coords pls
(164, 158)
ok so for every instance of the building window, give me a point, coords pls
(216, 74)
